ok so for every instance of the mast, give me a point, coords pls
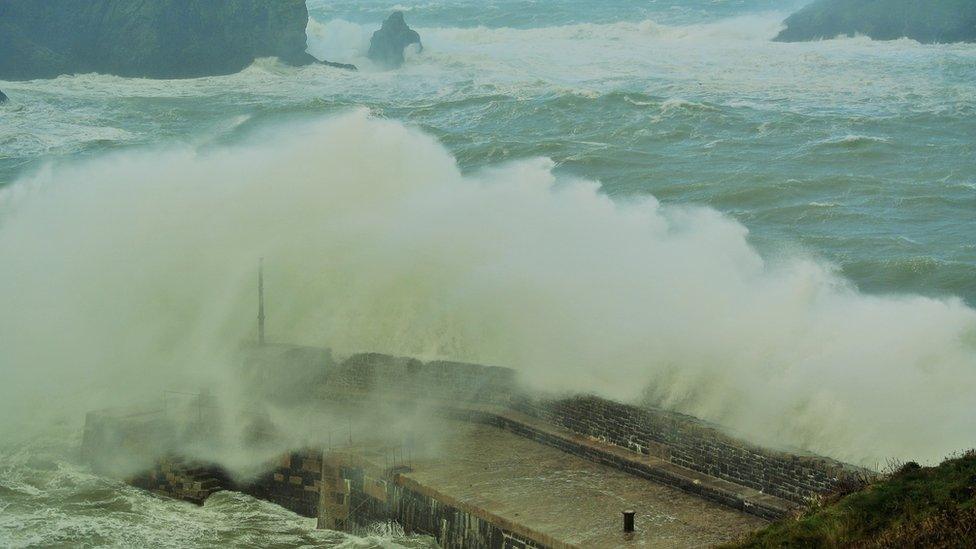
(261, 302)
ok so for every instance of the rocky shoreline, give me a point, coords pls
(150, 39)
(945, 21)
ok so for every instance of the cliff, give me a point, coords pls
(147, 38)
(942, 21)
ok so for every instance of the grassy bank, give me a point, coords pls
(911, 507)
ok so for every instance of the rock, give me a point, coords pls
(3, 97)
(148, 38)
(345, 66)
(387, 45)
(934, 21)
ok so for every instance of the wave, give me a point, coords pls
(852, 141)
(47, 500)
(349, 41)
(141, 265)
(761, 27)
(730, 61)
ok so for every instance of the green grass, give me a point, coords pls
(911, 507)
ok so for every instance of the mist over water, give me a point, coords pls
(650, 203)
(143, 263)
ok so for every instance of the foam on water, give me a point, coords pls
(48, 500)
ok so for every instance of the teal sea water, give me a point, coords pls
(857, 151)
(860, 154)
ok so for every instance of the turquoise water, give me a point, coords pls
(858, 154)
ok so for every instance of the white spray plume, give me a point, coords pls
(135, 271)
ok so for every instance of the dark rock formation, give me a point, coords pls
(387, 45)
(929, 21)
(147, 38)
(346, 66)
(3, 97)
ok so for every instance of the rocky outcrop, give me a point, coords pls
(147, 38)
(928, 21)
(387, 45)
(3, 97)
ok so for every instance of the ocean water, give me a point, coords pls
(857, 156)
(856, 151)
(48, 500)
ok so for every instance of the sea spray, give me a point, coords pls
(124, 273)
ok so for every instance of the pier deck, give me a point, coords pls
(570, 499)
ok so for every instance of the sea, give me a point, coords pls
(778, 237)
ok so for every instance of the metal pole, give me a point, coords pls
(261, 302)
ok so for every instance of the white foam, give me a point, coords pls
(141, 265)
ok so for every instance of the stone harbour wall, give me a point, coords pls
(677, 438)
(454, 524)
(290, 372)
(440, 380)
(373, 496)
(293, 482)
(345, 492)
(184, 480)
(691, 443)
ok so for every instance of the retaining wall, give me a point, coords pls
(676, 438)
(362, 494)
(691, 443)
(688, 453)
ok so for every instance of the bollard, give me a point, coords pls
(629, 521)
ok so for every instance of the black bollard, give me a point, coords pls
(629, 521)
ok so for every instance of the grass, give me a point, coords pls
(911, 507)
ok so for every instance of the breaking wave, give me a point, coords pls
(140, 266)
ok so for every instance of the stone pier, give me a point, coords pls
(482, 463)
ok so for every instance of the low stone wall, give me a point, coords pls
(690, 443)
(377, 373)
(291, 372)
(676, 438)
(293, 483)
(188, 481)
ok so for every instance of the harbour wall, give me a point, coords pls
(348, 490)
(679, 439)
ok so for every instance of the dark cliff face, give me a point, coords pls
(147, 38)
(387, 44)
(929, 21)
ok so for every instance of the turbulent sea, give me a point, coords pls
(856, 154)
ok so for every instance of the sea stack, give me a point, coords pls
(942, 21)
(142, 38)
(387, 45)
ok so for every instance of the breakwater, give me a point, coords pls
(353, 481)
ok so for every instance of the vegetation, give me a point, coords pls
(912, 507)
